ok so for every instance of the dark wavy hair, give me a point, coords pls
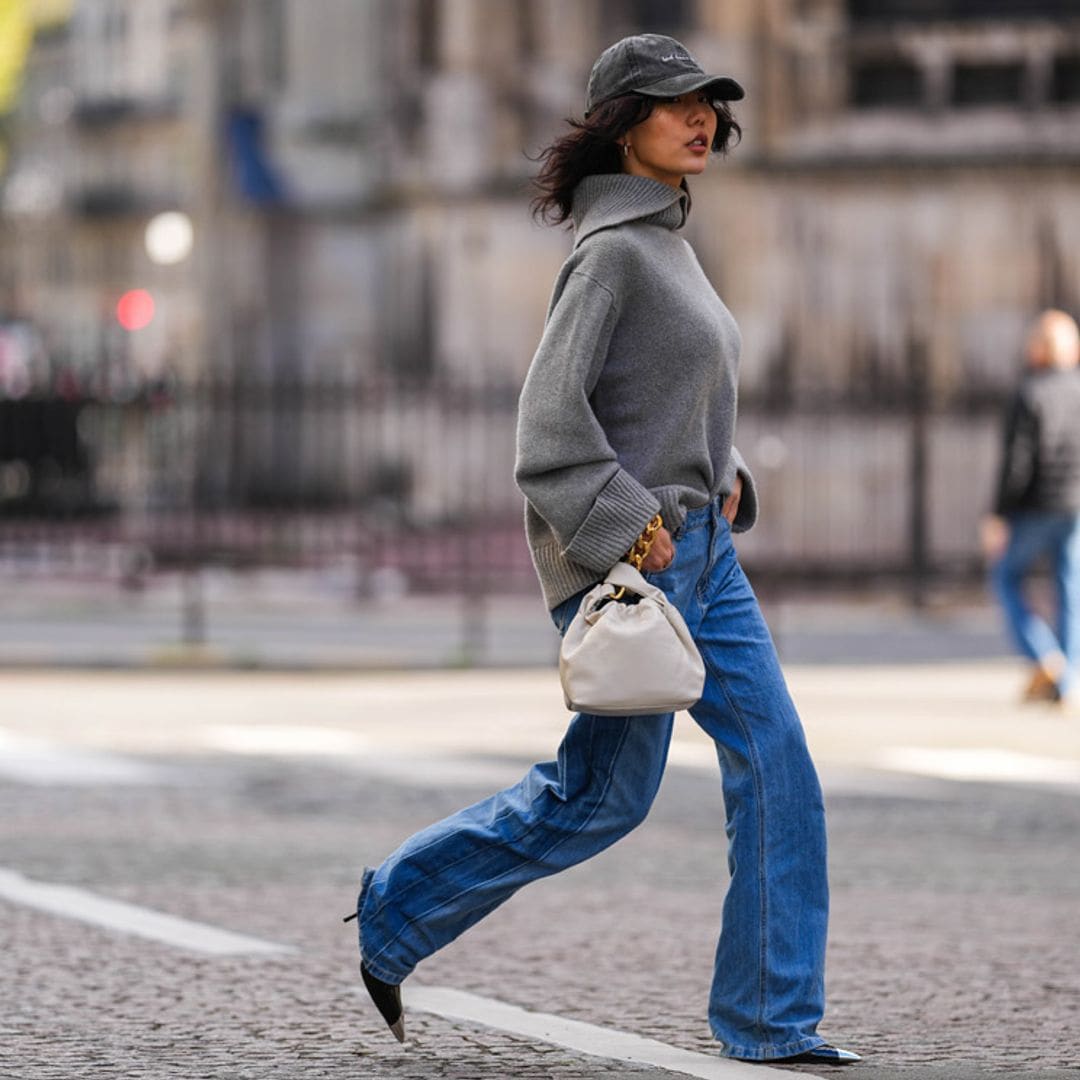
(592, 147)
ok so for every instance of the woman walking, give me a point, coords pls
(628, 412)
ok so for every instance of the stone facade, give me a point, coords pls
(901, 204)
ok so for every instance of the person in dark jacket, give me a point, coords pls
(1037, 509)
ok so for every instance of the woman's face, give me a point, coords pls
(674, 140)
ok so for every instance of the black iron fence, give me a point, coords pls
(412, 482)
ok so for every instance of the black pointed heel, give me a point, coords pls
(387, 999)
(349, 918)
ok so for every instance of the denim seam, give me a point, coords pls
(487, 881)
(449, 866)
(707, 589)
(420, 850)
(760, 801)
(775, 1053)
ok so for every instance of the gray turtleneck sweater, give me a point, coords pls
(629, 404)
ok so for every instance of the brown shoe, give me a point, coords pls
(1041, 687)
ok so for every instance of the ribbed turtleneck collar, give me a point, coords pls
(604, 200)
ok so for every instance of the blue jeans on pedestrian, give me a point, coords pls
(767, 991)
(1056, 537)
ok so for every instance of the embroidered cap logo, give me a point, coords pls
(653, 65)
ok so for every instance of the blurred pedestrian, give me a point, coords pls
(625, 430)
(1037, 509)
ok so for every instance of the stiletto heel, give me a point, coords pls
(349, 918)
(387, 999)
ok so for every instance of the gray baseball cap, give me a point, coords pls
(656, 66)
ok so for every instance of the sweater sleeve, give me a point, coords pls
(747, 514)
(1019, 459)
(565, 465)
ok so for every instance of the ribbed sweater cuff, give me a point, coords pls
(747, 514)
(621, 511)
(559, 577)
(670, 506)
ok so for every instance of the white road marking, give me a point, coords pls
(356, 752)
(287, 740)
(440, 771)
(986, 764)
(575, 1035)
(75, 903)
(36, 761)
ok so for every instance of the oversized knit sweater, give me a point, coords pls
(628, 407)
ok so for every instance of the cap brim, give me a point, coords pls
(718, 85)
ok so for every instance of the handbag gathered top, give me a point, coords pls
(627, 651)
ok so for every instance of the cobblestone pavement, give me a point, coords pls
(954, 948)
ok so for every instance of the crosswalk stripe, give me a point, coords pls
(575, 1035)
(72, 902)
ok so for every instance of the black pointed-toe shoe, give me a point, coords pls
(819, 1055)
(387, 998)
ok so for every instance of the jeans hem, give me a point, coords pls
(771, 1052)
(376, 969)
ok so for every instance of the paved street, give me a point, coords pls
(249, 803)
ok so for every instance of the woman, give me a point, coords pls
(628, 412)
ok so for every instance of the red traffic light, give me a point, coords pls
(135, 309)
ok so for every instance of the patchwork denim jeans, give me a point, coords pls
(767, 993)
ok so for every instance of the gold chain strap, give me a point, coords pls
(643, 544)
(639, 552)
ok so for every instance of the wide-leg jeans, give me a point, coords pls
(767, 993)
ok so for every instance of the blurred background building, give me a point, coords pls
(318, 349)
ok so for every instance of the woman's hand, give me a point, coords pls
(661, 553)
(993, 537)
(731, 503)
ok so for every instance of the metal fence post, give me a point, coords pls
(918, 473)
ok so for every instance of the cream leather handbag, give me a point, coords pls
(628, 651)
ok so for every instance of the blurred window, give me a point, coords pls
(646, 16)
(115, 22)
(988, 84)
(525, 24)
(427, 29)
(116, 261)
(951, 10)
(58, 264)
(272, 23)
(407, 313)
(1066, 83)
(888, 83)
(662, 16)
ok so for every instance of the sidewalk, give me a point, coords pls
(247, 802)
(313, 621)
(951, 720)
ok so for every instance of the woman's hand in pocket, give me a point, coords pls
(661, 553)
(731, 503)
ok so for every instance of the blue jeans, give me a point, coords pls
(768, 984)
(1031, 537)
